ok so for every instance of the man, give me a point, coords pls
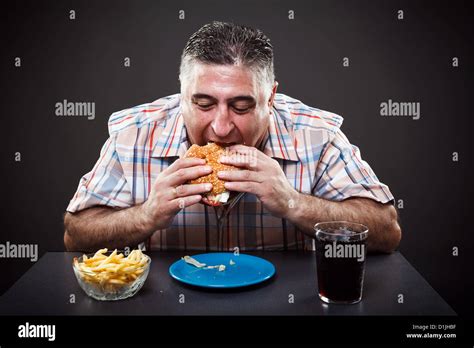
(303, 170)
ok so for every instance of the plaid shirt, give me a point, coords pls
(312, 151)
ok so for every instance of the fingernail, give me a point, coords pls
(221, 173)
(224, 158)
(208, 187)
(208, 168)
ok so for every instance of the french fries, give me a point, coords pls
(112, 271)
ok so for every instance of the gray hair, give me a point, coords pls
(229, 44)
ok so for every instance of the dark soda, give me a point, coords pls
(340, 278)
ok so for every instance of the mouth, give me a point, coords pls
(223, 144)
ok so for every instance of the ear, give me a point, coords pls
(272, 96)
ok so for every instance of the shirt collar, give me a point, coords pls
(278, 142)
(172, 140)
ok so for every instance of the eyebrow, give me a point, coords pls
(248, 98)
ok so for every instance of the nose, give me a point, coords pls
(222, 124)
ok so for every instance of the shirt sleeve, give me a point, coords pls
(105, 184)
(342, 174)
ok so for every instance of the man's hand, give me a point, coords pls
(170, 193)
(263, 176)
(99, 227)
(260, 175)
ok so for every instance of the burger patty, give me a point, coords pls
(211, 153)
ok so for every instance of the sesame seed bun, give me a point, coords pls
(211, 153)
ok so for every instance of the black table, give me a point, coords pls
(47, 287)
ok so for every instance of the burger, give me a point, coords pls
(211, 153)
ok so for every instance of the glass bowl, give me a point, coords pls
(109, 289)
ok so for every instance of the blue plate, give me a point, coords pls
(247, 270)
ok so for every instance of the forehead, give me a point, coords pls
(223, 81)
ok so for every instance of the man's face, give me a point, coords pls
(225, 104)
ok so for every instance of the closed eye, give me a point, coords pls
(204, 106)
(241, 111)
(238, 107)
(242, 108)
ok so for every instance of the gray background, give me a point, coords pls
(408, 60)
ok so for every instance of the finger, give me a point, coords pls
(183, 175)
(183, 202)
(248, 151)
(184, 163)
(239, 175)
(243, 186)
(249, 160)
(240, 148)
(192, 189)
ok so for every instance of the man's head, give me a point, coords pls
(227, 84)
